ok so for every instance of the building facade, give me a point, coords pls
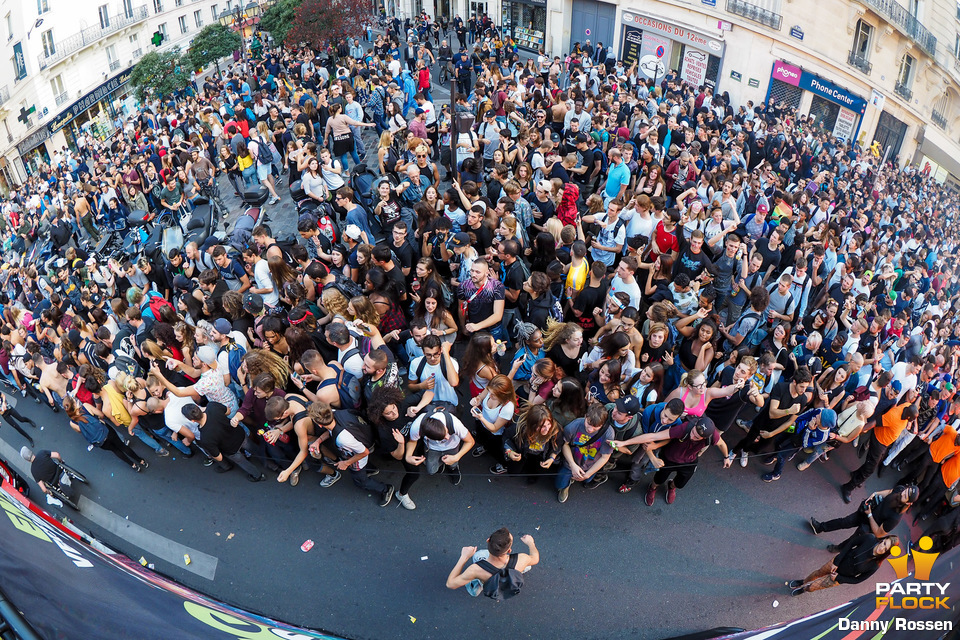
(885, 71)
(69, 62)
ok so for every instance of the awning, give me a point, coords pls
(941, 150)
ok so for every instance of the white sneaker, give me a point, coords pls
(54, 501)
(329, 481)
(405, 501)
(743, 458)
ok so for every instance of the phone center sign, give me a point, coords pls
(672, 31)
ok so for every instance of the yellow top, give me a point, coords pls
(117, 409)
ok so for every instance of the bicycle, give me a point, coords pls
(446, 71)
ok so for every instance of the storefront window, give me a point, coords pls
(526, 23)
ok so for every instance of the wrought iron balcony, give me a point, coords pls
(898, 15)
(939, 119)
(137, 53)
(62, 98)
(904, 92)
(755, 13)
(90, 35)
(855, 59)
(114, 65)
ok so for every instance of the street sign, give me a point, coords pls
(587, 31)
(659, 52)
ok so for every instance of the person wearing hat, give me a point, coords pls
(623, 416)
(489, 132)
(211, 383)
(680, 454)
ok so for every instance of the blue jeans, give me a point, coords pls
(147, 439)
(184, 449)
(356, 158)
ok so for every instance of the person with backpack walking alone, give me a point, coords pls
(497, 572)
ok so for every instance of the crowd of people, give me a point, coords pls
(611, 276)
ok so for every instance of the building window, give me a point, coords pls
(112, 59)
(135, 41)
(43, 6)
(183, 24)
(48, 46)
(158, 6)
(905, 77)
(940, 110)
(128, 9)
(9, 27)
(59, 92)
(228, 4)
(162, 28)
(214, 15)
(104, 16)
(197, 20)
(860, 54)
(179, 3)
(956, 47)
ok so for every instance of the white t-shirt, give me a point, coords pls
(350, 446)
(899, 372)
(353, 364)
(173, 415)
(632, 290)
(263, 280)
(452, 441)
(493, 413)
(442, 391)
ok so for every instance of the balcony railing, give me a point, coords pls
(137, 53)
(857, 60)
(907, 22)
(755, 13)
(903, 91)
(114, 65)
(91, 35)
(4, 94)
(939, 119)
(62, 98)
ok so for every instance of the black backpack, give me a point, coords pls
(505, 582)
(344, 285)
(354, 425)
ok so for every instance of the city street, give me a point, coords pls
(610, 566)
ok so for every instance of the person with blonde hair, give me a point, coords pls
(113, 395)
(265, 155)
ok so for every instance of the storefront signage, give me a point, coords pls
(786, 73)
(694, 67)
(796, 32)
(736, 75)
(538, 3)
(832, 92)
(846, 121)
(753, 82)
(672, 31)
(19, 64)
(87, 101)
(630, 45)
(877, 99)
(33, 141)
(709, 3)
(650, 63)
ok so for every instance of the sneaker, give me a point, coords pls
(208, 462)
(769, 460)
(259, 478)
(295, 478)
(163, 453)
(372, 471)
(386, 496)
(596, 481)
(627, 487)
(743, 459)
(610, 466)
(329, 481)
(770, 477)
(455, 476)
(795, 584)
(405, 501)
(796, 592)
(563, 494)
(671, 492)
(478, 451)
(144, 464)
(815, 525)
(651, 495)
(274, 200)
(498, 469)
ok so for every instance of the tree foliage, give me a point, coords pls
(160, 74)
(212, 43)
(318, 22)
(278, 18)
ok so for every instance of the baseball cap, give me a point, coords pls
(418, 111)
(897, 386)
(207, 354)
(352, 231)
(252, 303)
(91, 261)
(763, 207)
(460, 239)
(490, 114)
(629, 405)
(222, 325)
(828, 418)
(546, 185)
(181, 281)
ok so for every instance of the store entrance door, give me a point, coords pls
(593, 21)
(477, 8)
(826, 113)
(890, 133)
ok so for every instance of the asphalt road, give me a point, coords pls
(611, 567)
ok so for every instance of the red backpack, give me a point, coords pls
(153, 303)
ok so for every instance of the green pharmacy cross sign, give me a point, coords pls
(24, 116)
(157, 38)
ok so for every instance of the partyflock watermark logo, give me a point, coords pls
(907, 595)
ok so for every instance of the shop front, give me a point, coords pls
(834, 108)
(32, 150)
(95, 113)
(660, 47)
(526, 22)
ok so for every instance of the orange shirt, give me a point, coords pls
(944, 445)
(891, 425)
(950, 470)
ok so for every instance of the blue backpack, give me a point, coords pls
(348, 386)
(235, 355)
